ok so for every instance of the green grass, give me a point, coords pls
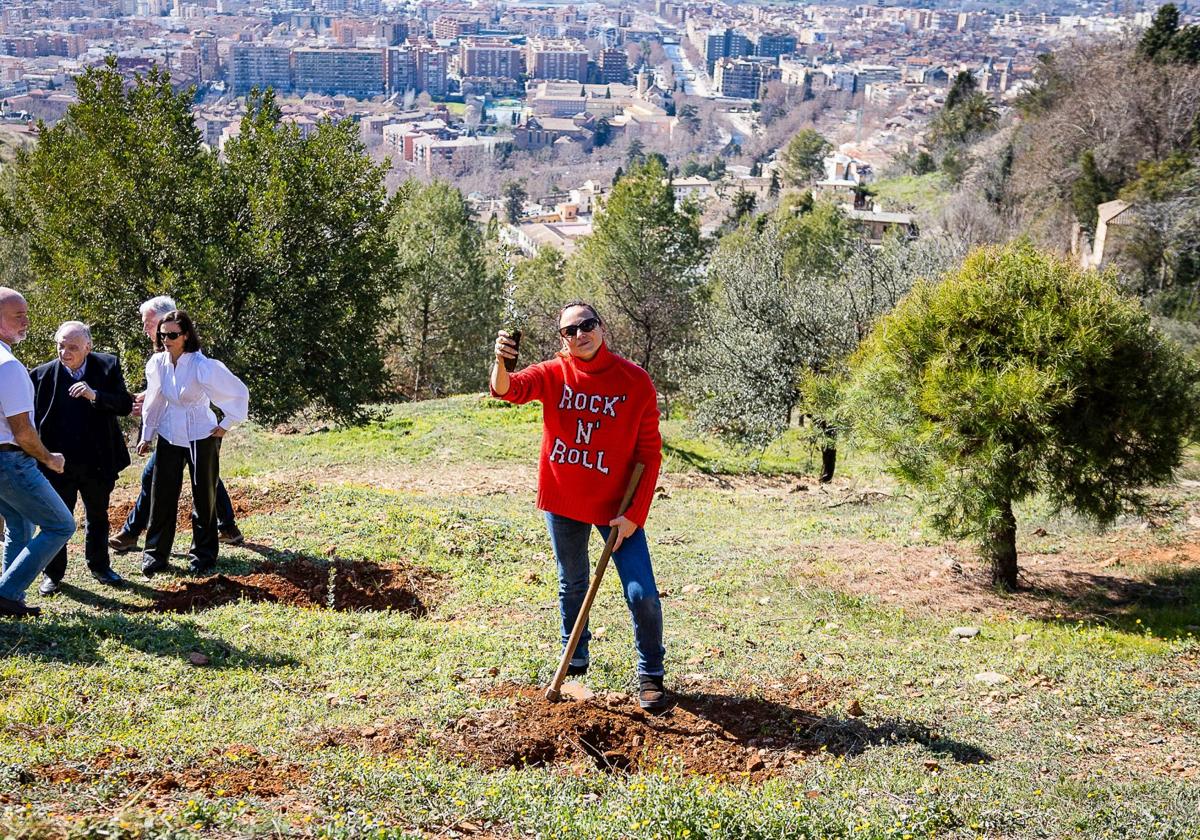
(920, 194)
(89, 677)
(475, 429)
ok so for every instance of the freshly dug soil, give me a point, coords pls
(246, 501)
(342, 585)
(713, 733)
(236, 770)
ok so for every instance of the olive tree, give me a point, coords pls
(1018, 374)
(791, 299)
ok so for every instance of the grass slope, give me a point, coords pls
(1091, 733)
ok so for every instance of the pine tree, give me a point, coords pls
(514, 201)
(803, 159)
(642, 262)
(446, 302)
(1021, 374)
(1161, 31)
(963, 86)
(1090, 190)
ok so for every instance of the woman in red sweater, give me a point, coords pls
(599, 418)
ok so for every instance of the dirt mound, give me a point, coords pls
(236, 770)
(343, 585)
(246, 501)
(713, 733)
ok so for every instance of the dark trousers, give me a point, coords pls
(140, 515)
(94, 489)
(165, 486)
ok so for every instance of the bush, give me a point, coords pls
(1020, 374)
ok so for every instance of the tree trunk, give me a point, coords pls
(828, 450)
(828, 462)
(419, 377)
(1001, 549)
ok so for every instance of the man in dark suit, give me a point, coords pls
(77, 400)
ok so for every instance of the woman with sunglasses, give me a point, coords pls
(182, 385)
(599, 419)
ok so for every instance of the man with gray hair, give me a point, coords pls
(78, 398)
(152, 311)
(27, 500)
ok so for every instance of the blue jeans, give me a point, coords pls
(27, 501)
(139, 517)
(569, 538)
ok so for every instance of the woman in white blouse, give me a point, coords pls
(181, 386)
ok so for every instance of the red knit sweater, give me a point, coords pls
(599, 418)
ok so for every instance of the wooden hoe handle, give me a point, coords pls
(552, 691)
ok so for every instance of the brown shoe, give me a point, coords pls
(122, 541)
(651, 695)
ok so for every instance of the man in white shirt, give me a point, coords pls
(27, 500)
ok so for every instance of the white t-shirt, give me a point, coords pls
(16, 391)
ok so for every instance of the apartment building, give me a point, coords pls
(612, 66)
(743, 78)
(772, 44)
(557, 59)
(721, 43)
(448, 28)
(490, 58)
(432, 66)
(342, 70)
(400, 69)
(259, 66)
(208, 59)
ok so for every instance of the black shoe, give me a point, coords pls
(15, 609)
(152, 566)
(574, 670)
(122, 541)
(199, 567)
(651, 695)
(48, 587)
(231, 536)
(108, 577)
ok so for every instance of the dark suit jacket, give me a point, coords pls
(97, 439)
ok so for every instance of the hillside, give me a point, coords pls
(12, 137)
(809, 633)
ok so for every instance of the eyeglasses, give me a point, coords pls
(170, 336)
(586, 325)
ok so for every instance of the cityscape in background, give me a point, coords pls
(479, 93)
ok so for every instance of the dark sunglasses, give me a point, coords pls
(170, 336)
(586, 325)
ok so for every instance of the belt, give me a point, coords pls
(10, 447)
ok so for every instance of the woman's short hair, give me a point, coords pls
(583, 303)
(191, 342)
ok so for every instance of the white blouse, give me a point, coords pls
(178, 398)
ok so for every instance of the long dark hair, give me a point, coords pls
(191, 341)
